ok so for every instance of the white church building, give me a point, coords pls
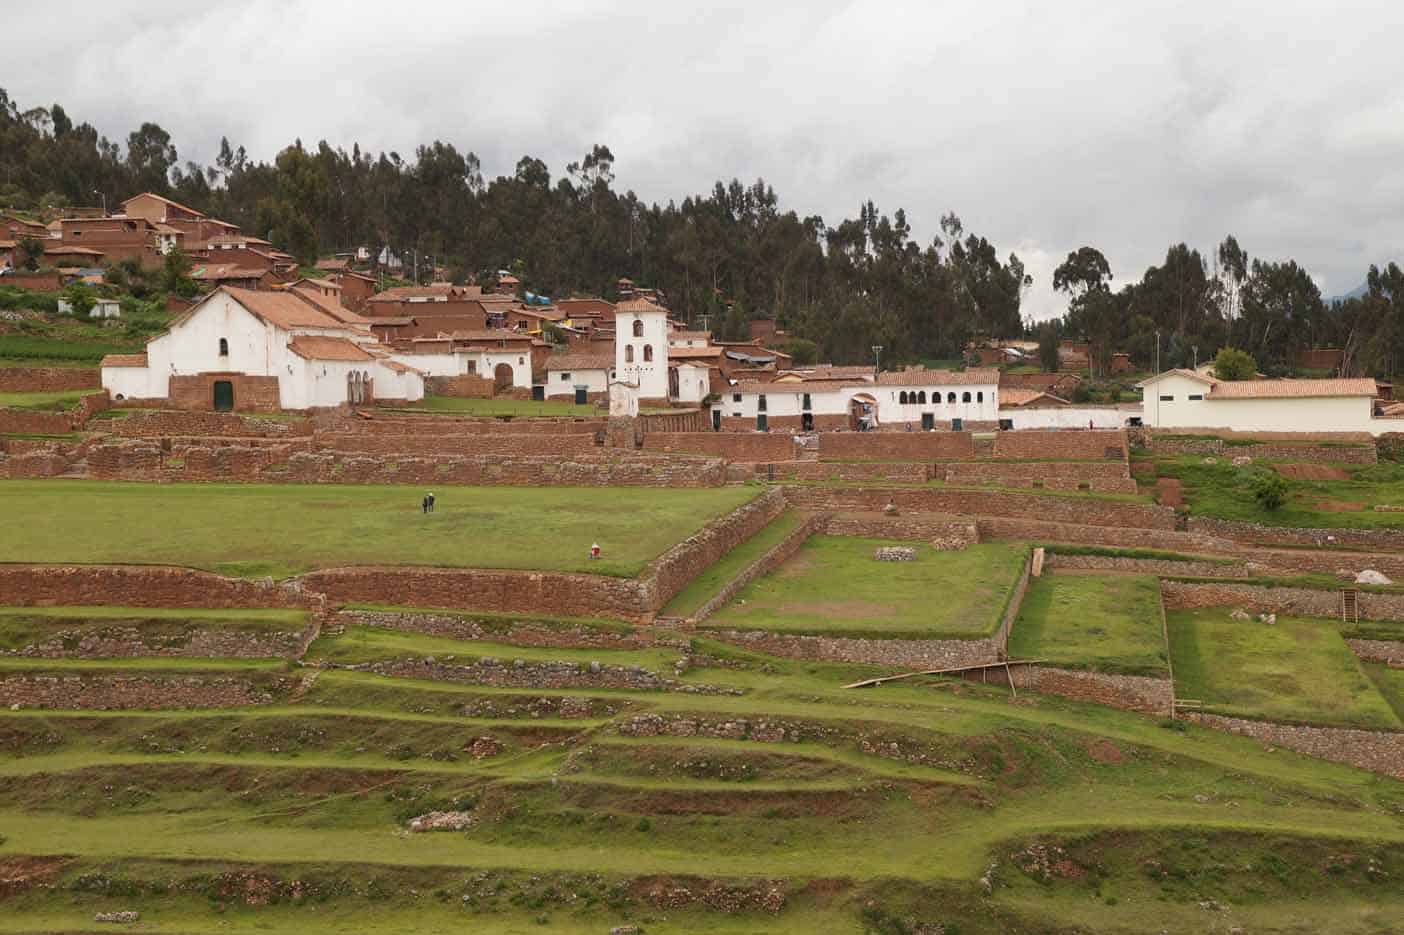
(641, 348)
(243, 350)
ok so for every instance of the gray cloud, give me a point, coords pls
(1045, 126)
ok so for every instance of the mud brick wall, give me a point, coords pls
(127, 692)
(1063, 445)
(767, 563)
(162, 423)
(1180, 595)
(913, 527)
(907, 654)
(140, 586)
(35, 422)
(91, 405)
(1387, 539)
(671, 572)
(895, 446)
(468, 386)
(251, 393)
(49, 379)
(429, 445)
(757, 446)
(1378, 751)
(50, 463)
(1145, 566)
(1097, 476)
(1084, 511)
(39, 282)
(1128, 692)
(905, 472)
(492, 590)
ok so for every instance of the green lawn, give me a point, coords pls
(57, 400)
(834, 586)
(1298, 670)
(281, 530)
(702, 588)
(501, 407)
(1390, 682)
(1223, 491)
(1105, 623)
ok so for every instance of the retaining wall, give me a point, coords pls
(141, 586)
(115, 692)
(1102, 477)
(906, 654)
(1303, 602)
(1061, 445)
(671, 572)
(767, 563)
(946, 532)
(758, 446)
(35, 422)
(148, 424)
(1377, 751)
(902, 472)
(457, 445)
(1390, 539)
(49, 379)
(895, 446)
(1086, 511)
(1144, 566)
(1128, 692)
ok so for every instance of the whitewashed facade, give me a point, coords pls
(1184, 399)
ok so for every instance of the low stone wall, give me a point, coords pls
(1181, 595)
(467, 385)
(1323, 561)
(49, 379)
(1144, 566)
(683, 420)
(520, 633)
(1128, 692)
(141, 586)
(902, 472)
(1011, 609)
(439, 426)
(1087, 511)
(439, 446)
(518, 673)
(104, 692)
(1003, 527)
(112, 640)
(1388, 539)
(906, 654)
(158, 423)
(672, 571)
(895, 446)
(1390, 652)
(1377, 751)
(1098, 476)
(945, 532)
(35, 422)
(772, 559)
(1061, 445)
(1362, 452)
(758, 446)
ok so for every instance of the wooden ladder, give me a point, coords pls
(1350, 605)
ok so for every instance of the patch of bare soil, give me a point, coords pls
(18, 874)
(1104, 751)
(1169, 492)
(796, 566)
(1312, 472)
(1338, 506)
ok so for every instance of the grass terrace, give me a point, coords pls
(833, 586)
(1105, 623)
(1345, 500)
(282, 530)
(1299, 670)
(702, 588)
(59, 400)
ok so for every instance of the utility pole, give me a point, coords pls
(103, 196)
(1157, 373)
(877, 361)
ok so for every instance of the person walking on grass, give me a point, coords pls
(427, 504)
(430, 498)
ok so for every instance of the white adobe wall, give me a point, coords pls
(1290, 414)
(1167, 403)
(595, 381)
(1067, 417)
(983, 405)
(694, 383)
(520, 362)
(651, 376)
(128, 382)
(435, 365)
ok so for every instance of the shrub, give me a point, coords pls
(1270, 490)
(1232, 364)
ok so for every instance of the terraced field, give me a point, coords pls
(627, 776)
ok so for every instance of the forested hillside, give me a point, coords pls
(844, 286)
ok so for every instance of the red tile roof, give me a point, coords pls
(124, 360)
(318, 347)
(918, 376)
(1284, 389)
(285, 309)
(580, 362)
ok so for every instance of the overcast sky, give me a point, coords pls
(1045, 126)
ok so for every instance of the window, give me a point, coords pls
(804, 404)
(472, 366)
(1196, 397)
(950, 397)
(1167, 399)
(902, 397)
(223, 347)
(921, 398)
(565, 377)
(735, 397)
(965, 397)
(648, 353)
(638, 328)
(980, 397)
(760, 403)
(628, 353)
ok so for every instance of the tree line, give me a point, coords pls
(722, 257)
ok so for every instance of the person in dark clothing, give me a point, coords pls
(424, 503)
(430, 498)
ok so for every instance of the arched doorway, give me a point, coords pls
(502, 377)
(862, 413)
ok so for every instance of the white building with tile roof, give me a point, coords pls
(1184, 399)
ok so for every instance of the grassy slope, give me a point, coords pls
(833, 585)
(1298, 670)
(1106, 623)
(1223, 491)
(58, 400)
(282, 530)
(704, 586)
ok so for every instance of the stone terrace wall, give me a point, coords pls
(1312, 454)
(758, 446)
(906, 654)
(1386, 651)
(895, 446)
(1062, 445)
(457, 445)
(127, 692)
(1101, 477)
(49, 379)
(1128, 692)
(1144, 566)
(1378, 751)
(439, 426)
(950, 532)
(671, 572)
(140, 586)
(682, 421)
(767, 563)
(1388, 539)
(466, 385)
(518, 633)
(35, 422)
(1085, 511)
(162, 422)
(491, 590)
(71, 639)
(903, 472)
(1180, 595)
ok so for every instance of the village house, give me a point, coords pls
(507, 358)
(238, 350)
(583, 377)
(1184, 399)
